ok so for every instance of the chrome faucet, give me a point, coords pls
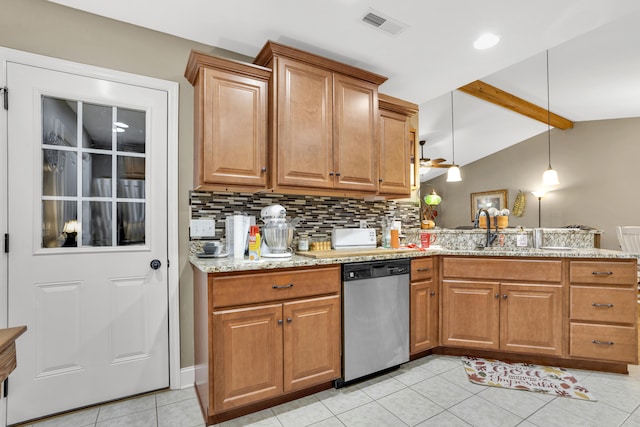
(490, 236)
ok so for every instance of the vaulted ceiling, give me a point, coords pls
(594, 54)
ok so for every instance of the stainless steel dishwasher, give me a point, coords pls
(375, 317)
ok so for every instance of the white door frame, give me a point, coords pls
(171, 88)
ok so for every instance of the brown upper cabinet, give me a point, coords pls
(324, 123)
(297, 123)
(394, 156)
(230, 123)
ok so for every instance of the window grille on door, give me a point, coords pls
(93, 174)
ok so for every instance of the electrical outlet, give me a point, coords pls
(202, 228)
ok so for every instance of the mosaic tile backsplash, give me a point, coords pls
(319, 214)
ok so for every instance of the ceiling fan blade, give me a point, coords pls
(438, 160)
(442, 165)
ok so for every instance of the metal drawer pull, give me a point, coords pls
(289, 319)
(290, 285)
(602, 342)
(433, 293)
(423, 269)
(497, 295)
(279, 321)
(602, 273)
(595, 304)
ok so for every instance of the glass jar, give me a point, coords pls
(303, 243)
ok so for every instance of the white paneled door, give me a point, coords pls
(87, 220)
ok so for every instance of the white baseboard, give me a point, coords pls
(187, 376)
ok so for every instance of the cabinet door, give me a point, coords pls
(247, 366)
(531, 318)
(394, 157)
(424, 316)
(234, 130)
(470, 314)
(304, 125)
(355, 127)
(312, 342)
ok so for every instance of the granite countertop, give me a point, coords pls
(221, 265)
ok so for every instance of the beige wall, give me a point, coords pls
(597, 164)
(45, 28)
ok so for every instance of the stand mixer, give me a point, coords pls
(277, 232)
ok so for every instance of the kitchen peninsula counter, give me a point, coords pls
(224, 265)
(556, 307)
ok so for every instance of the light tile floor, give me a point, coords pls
(433, 391)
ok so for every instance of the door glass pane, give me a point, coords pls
(131, 177)
(59, 122)
(130, 130)
(59, 224)
(96, 218)
(113, 208)
(97, 126)
(131, 223)
(59, 173)
(96, 175)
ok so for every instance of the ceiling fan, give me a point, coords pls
(431, 163)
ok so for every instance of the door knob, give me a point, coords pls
(155, 264)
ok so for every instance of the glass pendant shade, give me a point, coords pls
(432, 199)
(550, 177)
(453, 175)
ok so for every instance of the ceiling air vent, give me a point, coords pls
(383, 22)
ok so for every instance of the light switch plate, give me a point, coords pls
(202, 228)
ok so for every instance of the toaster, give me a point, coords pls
(353, 238)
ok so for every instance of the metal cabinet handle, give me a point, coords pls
(290, 285)
(602, 342)
(504, 296)
(497, 295)
(289, 319)
(433, 293)
(602, 273)
(264, 169)
(379, 179)
(423, 269)
(279, 321)
(330, 173)
(595, 304)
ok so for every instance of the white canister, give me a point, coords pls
(303, 243)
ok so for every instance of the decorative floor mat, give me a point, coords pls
(523, 376)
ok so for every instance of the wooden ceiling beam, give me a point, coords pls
(511, 102)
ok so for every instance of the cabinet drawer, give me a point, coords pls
(503, 269)
(600, 304)
(604, 342)
(421, 268)
(257, 287)
(615, 273)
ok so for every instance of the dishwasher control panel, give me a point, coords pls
(373, 269)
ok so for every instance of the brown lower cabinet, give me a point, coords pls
(283, 336)
(519, 310)
(603, 310)
(424, 305)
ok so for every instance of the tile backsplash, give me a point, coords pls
(319, 214)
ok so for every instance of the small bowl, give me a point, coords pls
(211, 248)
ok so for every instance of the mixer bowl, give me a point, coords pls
(278, 237)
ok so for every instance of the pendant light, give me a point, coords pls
(550, 176)
(453, 174)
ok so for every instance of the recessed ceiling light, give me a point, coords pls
(486, 41)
